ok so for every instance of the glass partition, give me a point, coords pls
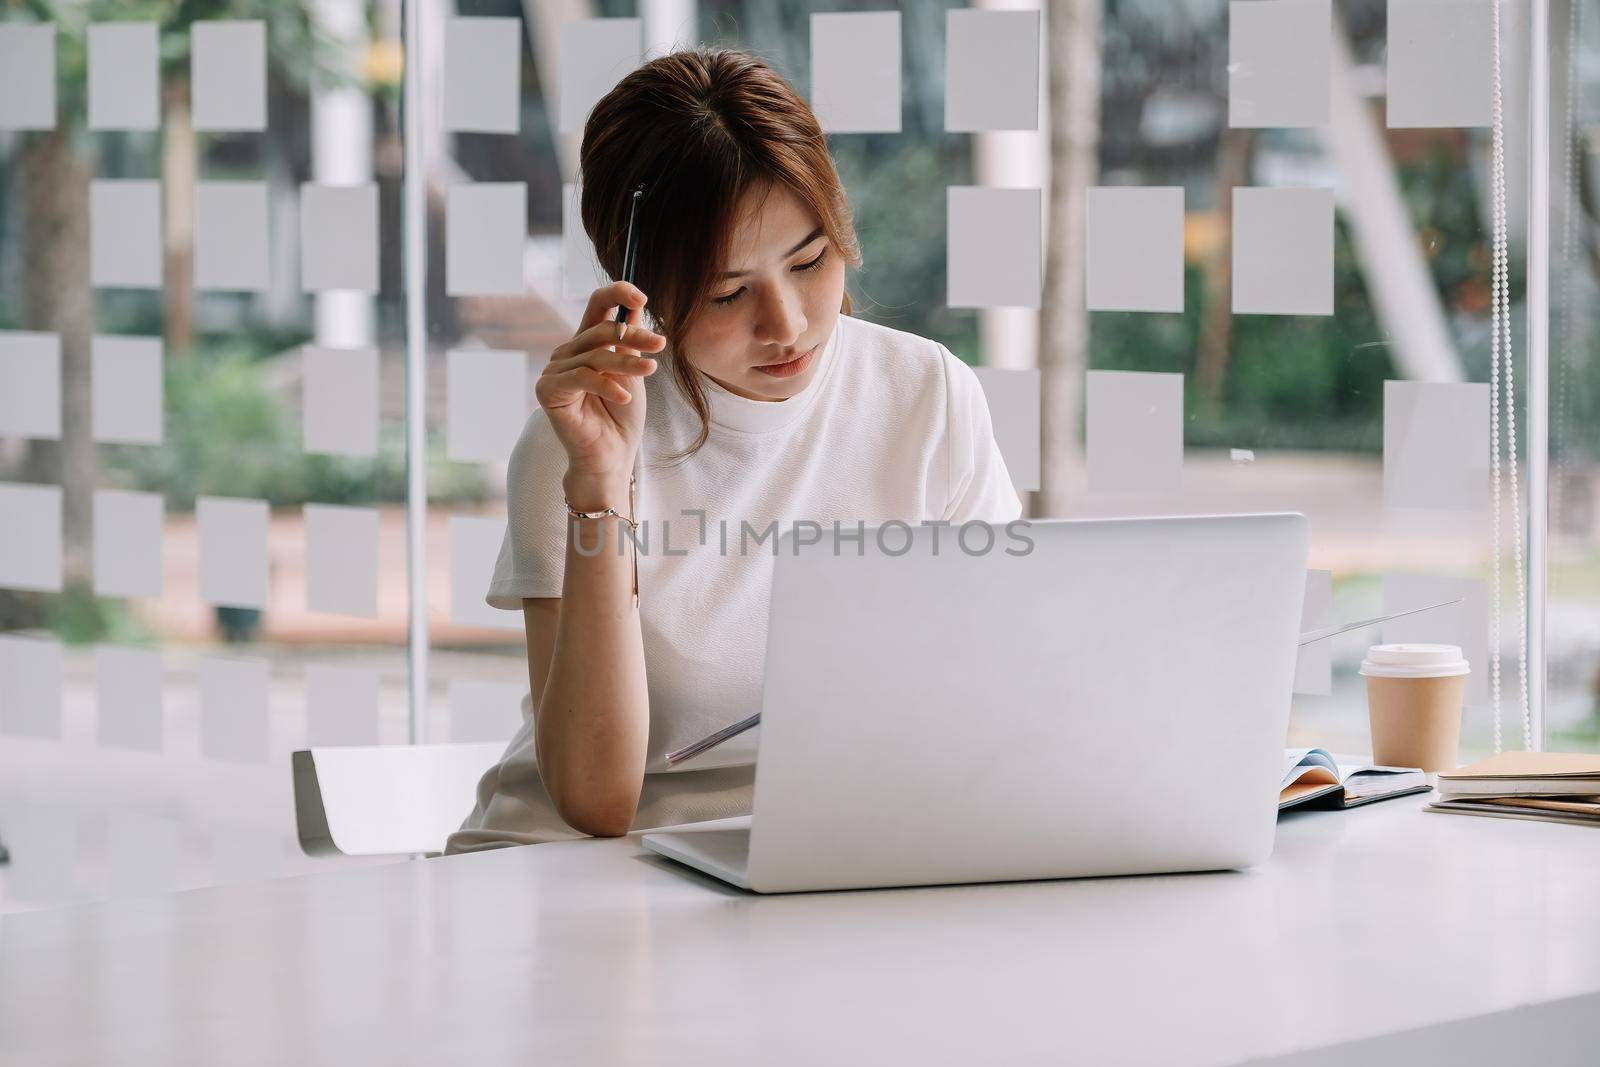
(1231, 284)
(204, 545)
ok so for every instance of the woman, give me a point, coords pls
(776, 405)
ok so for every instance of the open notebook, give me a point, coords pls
(1314, 777)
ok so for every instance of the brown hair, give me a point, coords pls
(699, 127)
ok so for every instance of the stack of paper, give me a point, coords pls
(1552, 786)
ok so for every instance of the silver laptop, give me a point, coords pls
(1088, 697)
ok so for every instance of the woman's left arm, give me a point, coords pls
(979, 485)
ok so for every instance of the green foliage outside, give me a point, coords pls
(1292, 382)
(229, 434)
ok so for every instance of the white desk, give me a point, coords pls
(1472, 933)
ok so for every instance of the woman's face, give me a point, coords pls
(778, 300)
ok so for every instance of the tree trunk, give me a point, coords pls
(179, 155)
(1074, 50)
(1216, 316)
(57, 299)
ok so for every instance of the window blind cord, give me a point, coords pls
(1501, 362)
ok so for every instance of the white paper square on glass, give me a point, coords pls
(1134, 240)
(1313, 665)
(486, 228)
(126, 395)
(124, 76)
(995, 254)
(1440, 63)
(474, 548)
(28, 58)
(128, 688)
(487, 403)
(30, 385)
(231, 225)
(30, 686)
(341, 705)
(233, 551)
(484, 711)
(228, 75)
(1436, 446)
(1465, 624)
(339, 398)
(342, 559)
(581, 273)
(1280, 62)
(128, 530)
(593, 55)
(30, 537)
(855, 71)
(1133, 431)
(233, 709)
(1282, 250)
(125, 234)
(339, 238)
(1013, 398)
(482, 75)
(991, 70)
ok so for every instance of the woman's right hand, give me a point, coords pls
(593, 390)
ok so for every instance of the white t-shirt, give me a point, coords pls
(892, 426)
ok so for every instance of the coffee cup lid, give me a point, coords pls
(1414, 661)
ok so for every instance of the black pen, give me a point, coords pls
(629, 255)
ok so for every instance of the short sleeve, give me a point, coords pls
(980, 487)
(533, 555)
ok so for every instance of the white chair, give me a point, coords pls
(376, 800)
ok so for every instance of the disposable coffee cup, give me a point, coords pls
(1414, 704)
